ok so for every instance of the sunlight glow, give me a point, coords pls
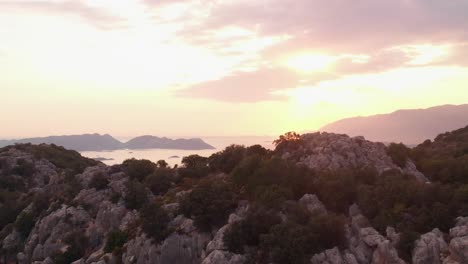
(310, 62)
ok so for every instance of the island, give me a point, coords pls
(98, 142)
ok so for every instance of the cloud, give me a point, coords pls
(251, 87)
(97, 17)
(357, 25)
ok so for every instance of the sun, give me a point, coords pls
(310, 62)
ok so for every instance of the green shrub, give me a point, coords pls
(160, 181)
(138, 169)
(287, 243)
(24, 223)
(77, 243)
(115, 241)
(154, 221)
(194, 166)
(327, 231)
(406, 243)
(248, 231)
(291, 242)
(272, 195)
(399, 154)
(24, 168)
(226, 160)
(136, 195)
(99, 181)
(209, 203)
(162, 164)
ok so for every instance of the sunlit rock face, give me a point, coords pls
(328, 151)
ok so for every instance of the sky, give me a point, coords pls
(223, 68)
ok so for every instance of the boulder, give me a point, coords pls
(224, 257)
(313, 204)
(429, 248)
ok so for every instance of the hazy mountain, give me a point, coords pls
(146, 142)
(97, 142)
(407, 126)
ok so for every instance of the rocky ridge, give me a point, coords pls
(95, 213)
(328, 151)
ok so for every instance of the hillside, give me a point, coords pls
(411, 127)
(317, 198)
(97, 142)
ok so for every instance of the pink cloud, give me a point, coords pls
(250, 87)
(95, 16)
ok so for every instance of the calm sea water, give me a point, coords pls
(172, 156)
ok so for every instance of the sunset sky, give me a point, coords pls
(238, 67)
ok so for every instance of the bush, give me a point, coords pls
(138, 169)
(287, 142)
(115, 241)
(406, 243)
(154, 221)
(24, 223)
(273, 195)
(226, 160)
(160, 181)
(327, 231)
(24, 168)
(194, 166)
(399, 154)
(162, 164)
(287, 243)
(247, 232)
(77, 243)
(135, 196)
(294, 243)
(209, 203)
(99, 181)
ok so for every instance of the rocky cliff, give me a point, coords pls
(78, 209)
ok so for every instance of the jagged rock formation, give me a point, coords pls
(95, 212)
(327, 151)
(458, 246)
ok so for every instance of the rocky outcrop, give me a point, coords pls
(223, 257)
(430, 248)
(458, 247)
(327, 151)
(365, 245)
(313, 204)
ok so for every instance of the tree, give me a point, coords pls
(24, 223)
(226, 160)
(209, 204)
(154, 221)
(135, 196)
(115, 240)
(194, 166)
(162, 164)
(399, 154)
(288, 141)
(160, 181)
(138, 169)
(98, 181)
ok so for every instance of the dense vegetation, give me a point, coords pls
(277, 227)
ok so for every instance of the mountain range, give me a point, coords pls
(411, 127)
(97, 142)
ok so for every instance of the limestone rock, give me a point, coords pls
(313, 204)
(429, 248)
(223, 257)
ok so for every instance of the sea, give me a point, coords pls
(173, 156)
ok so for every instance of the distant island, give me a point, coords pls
(97, 142)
